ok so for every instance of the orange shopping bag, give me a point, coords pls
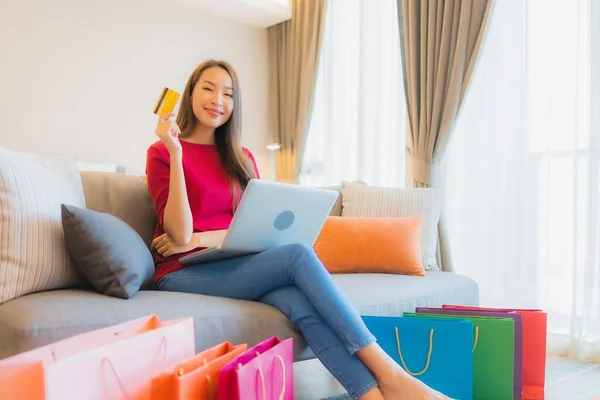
(197, 378)
(121, 369)
(22, 375)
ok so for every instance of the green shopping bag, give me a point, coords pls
(493, 355)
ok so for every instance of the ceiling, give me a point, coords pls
(259, 13)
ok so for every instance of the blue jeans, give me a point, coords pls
(292, 279)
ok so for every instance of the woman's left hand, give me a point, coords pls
(165, 246)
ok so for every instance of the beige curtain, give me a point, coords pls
(294, 50)
(440, 42)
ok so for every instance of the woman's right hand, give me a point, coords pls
(168, 132)
(209, 238)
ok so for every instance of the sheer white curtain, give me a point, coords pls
(522, 169)
(357, 130)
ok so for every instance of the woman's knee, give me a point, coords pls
(297, 249)
(298, 258)
(302, 256)
(291, 301)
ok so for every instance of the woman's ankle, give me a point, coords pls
(373, 394)
(381, 365)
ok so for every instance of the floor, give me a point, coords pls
(571, 380)
(565, 380)
(313, 382)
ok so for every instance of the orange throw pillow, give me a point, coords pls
(371, 245)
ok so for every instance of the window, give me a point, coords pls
(357, 131)
(522, 169)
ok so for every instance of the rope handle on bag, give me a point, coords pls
(210, 387)
(476, 338)
(210, 383)
(116, 375)
(428, 354)
(475, 341)
(262, 384)
(262, 380)
(283, 373)
(181, 372)
(163, 343)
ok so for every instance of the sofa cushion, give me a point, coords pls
(360, 200)
(43, 318)
(392, 295)
(32, 251)
(376, 245)
(108, 252)
(124, 196)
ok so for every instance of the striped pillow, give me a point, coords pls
(360, 200)
(33, 255)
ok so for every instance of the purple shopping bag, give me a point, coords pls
(518, 318)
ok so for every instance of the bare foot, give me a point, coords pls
(406, 387)
(394, 382)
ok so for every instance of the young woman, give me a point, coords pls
(196, 174)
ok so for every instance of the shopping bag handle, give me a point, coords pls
(210, 387)
(262, 380)
(181, 373)
(106, 360)
(209, 381)
(475, 341)
(283, 384)
(165, 345)
(428, 354)
(116, 375)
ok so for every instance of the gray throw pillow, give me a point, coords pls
(107, 251)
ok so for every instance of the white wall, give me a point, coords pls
(79, 78)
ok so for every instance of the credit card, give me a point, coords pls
(166, 101)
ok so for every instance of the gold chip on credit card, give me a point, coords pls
(166, 101)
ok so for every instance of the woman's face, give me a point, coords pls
(212, 97)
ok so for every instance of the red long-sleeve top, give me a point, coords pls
(208, 189)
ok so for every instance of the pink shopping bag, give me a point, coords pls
(263, 372)
(114, 369)
(20, 374)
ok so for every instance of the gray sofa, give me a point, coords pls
(41, 318)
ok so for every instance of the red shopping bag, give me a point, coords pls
(197, 378)
(263, 372)
(22, 375)
(535, 324)
(119, 369)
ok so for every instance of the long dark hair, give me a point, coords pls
(237, 165)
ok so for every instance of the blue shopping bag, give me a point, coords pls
(437, 351)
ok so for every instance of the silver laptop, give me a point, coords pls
(271, 214)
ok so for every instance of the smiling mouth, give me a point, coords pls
(213, 112)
